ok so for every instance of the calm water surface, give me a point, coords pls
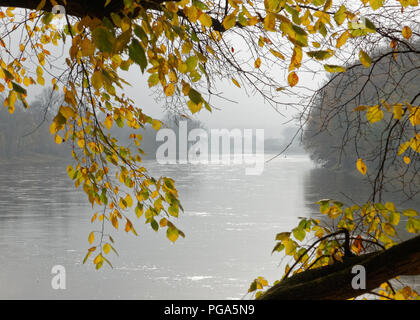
(230, 222)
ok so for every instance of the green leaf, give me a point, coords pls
(139, 32)
(282, 236)
(195, 96)
(136, 53)
(340, 15)
(153, 80)
(299, 233)
(103, 39)
(172, 234)
(200, 5)
(154, 225)
(47, 17)
(191, 63)
(8, 74)
(18, 88)
(333, 68)
(320, 54)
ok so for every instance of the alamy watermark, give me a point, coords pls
(216, 146)
(58, 281)
(359, 280)
(59, 17)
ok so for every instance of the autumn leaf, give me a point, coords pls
(229, 21)
(293, 79)
(406, 32)
(360, 165)
(91, 237)
(236, 82)
(374, 114)
(205, 20)
(365, 59)
(257, 63)
(108, 122)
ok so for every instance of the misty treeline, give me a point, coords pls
(335, 135)
(25, 134)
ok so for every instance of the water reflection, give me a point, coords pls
(230, 221)
(321, 183)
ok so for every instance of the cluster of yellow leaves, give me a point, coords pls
(386, 292)
(398, 111)
(375, 221)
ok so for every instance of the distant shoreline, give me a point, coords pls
(35, 159)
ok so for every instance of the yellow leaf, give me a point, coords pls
(40, 5)
(194, 107)
(360, 108)
(97, 80)
(365, 59)
(172, 77)
(389, 229)
(39, 71)
(129, 200)
(94, 216)
(128, 226)
(91, 237)
(156, 124)
(40, 80)
(26, 81)
(374, 114)
(236, 82)
(67, 112)
(376, 4)
(277, 54)
(229, 21)
(81, 143)
(98, 259)
(415, 116)
(172, 234)
(293, 79)
(108, 122)
(406, 32)
(87, 47)
(257, 63)
(205, 20)
(9, 12)
(58, 139)
(407, 160)
(415, 144)
(342, 39)
(169, 89)
(398, 111)
(403, 147)
(361, 166)
(270, 22)
(107, 248)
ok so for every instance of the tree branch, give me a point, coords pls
(334, 281)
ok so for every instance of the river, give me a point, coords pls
(230, 222)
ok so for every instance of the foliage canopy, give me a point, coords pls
(183, 47)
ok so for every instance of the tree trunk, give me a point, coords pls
(334, 281)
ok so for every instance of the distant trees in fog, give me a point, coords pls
(336, 135)
(26, 132)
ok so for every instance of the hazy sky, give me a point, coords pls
(248, 111)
